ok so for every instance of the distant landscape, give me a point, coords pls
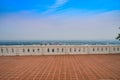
(60, 42)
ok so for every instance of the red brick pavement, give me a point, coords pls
(60, 67)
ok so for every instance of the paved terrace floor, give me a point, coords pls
(67, 67)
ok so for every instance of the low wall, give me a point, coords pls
(58, 49)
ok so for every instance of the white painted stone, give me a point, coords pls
(58, 49)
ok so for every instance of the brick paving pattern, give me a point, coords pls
(60, 67)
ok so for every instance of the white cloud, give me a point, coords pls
(57, 4)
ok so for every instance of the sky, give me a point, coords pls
(59, 19)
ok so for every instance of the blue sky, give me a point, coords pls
(59, 19)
